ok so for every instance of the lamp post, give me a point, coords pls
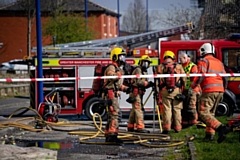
(39, 51)
(54, 40)
(146, 15)
(118, 9)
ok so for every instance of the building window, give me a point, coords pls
(230, 57)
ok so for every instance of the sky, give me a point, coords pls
(159, 5)
(152, 4)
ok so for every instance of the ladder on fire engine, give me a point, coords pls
(74, 51)
(80, 49)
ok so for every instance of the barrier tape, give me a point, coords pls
(121, 77)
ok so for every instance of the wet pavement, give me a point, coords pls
(68, 145)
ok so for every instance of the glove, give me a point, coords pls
(180, 97)
(129, 90)
(150, 84)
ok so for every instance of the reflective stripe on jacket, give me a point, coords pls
(210, 64)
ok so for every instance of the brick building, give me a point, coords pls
(14, 25)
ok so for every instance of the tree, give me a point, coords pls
(68, 27)
(221, 19)
(179, 15)
(134, 20)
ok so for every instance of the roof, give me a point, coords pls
(68, 5)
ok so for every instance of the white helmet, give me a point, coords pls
(206, 48)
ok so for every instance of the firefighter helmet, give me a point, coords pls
(206, 48)
(145, 61)
(169, 54)
(145, 58)
(117, 54)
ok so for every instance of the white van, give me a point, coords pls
(16, 66)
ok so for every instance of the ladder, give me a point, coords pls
(74, 51)
(79, 49)
(134, 40)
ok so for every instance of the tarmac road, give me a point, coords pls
(77, 150)
(9, 105)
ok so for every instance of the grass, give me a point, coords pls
(227, 150)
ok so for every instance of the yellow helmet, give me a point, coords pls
(169, 54)
(116, 52)
(144, 62)
(145, 58)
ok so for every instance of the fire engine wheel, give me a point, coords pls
(93, 106)
(224, 108)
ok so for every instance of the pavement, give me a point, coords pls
(67, 145)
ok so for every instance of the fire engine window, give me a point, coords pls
(230, 57)
(191, 53)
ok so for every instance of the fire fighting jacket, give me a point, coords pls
(139, 82)
(210, 64)
(114, 83)
(178, 70)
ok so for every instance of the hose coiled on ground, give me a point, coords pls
(87, 137)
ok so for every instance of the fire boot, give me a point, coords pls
(142, 130)
(222, 132)
(209, 137)
(166, 132)
(113, 138)
(130, 129)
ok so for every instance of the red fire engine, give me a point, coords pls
(228, 51)
(70, 60)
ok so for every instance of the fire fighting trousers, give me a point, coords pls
(189, 112)
(136, 115)
(113, 116)
(171, 110)
(207, 106)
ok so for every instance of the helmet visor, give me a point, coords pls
(122, 58)
(145, 64)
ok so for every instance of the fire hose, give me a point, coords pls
(148, 140)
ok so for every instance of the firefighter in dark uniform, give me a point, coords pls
(112, 88)
(139, 86)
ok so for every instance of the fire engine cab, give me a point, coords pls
(226, 50)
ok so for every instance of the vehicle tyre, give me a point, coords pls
(93, 106)
(224, 108)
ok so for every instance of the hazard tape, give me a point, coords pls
(121, 77)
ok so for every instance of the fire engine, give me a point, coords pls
(228, 51)
(78, 60)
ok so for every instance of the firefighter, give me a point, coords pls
(170, 89)
(112, 88)
(139, 86)
(212, 91)
(189, 114)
